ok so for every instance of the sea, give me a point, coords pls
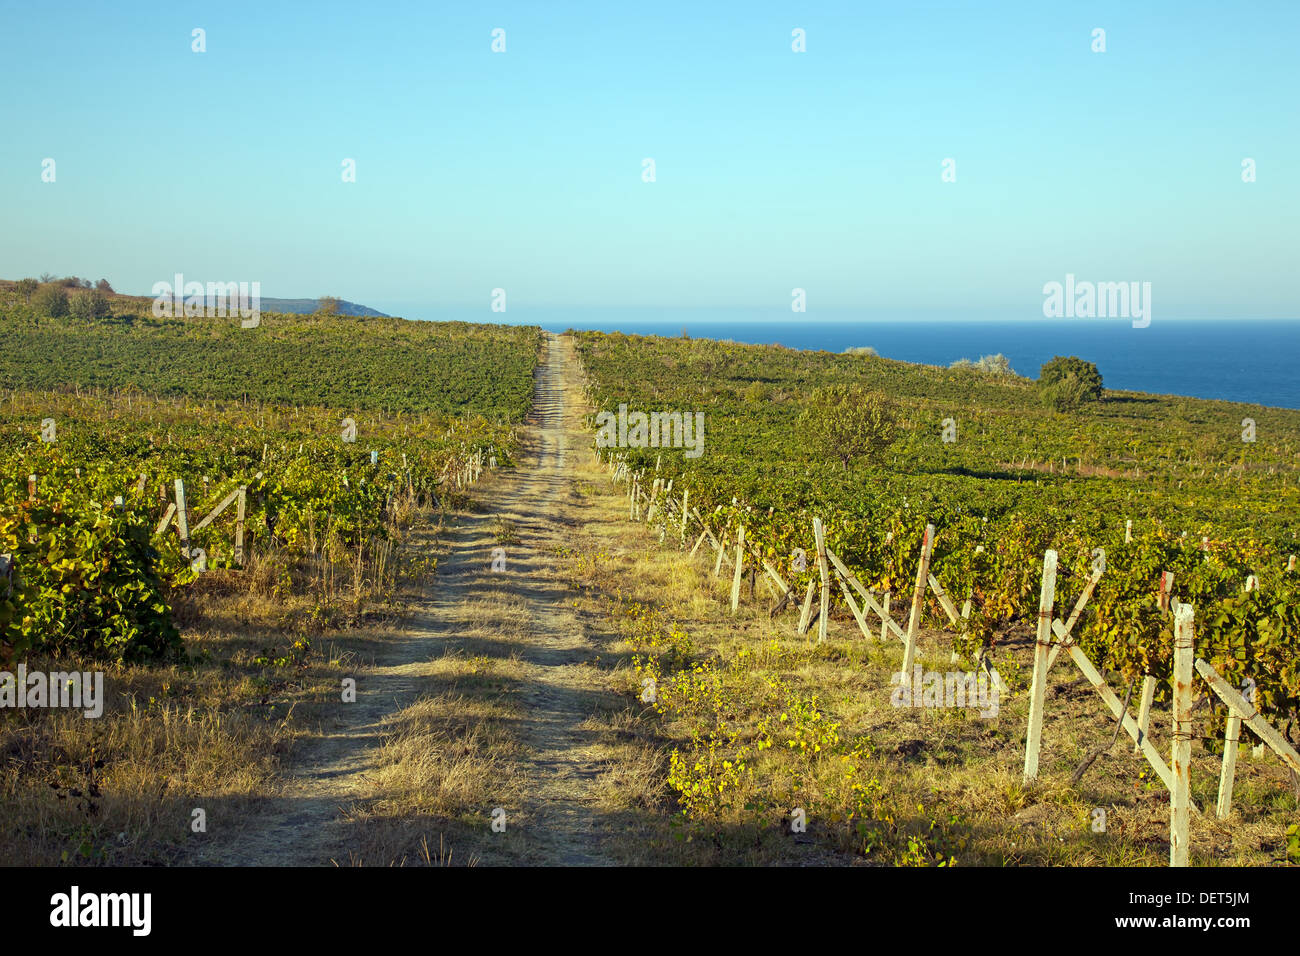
(1255, 361)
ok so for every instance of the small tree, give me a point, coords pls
(847, 422)
(25, 288)
(51, 300)
(90, 304)
(103, 286)
(328, 304)
(1068, 382)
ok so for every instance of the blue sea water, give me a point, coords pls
(1256, 361)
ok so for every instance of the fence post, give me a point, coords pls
(1144, 709)
(1128, 531)
(1231, 735)
(182, 519)
(740, 561)
(1180, 764)
(686, 503)
(1038, 692)
(819, 535)
(918, 599)
(239, 525)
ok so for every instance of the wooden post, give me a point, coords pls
(31, 487)
(819, 535)
(1252, 717)
(806, 614)
(239, 525)
(740, 561)
(722, 554)
(1144, 710)
(918, 600)
(1181, 792)
(167, 517)
(1128, 531)
(686, 501)
(884, 613)
(1038, 691)
(1290, 563)
(1231, 736)
(182, 519)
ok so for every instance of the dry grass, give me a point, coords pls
(265, 651)
(948, 782)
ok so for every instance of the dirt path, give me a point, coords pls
(308, 822)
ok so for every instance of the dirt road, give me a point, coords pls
(553, 777)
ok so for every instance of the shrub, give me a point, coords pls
(849, 421)
(1069, 380)
(860, 350)
(90, 304)
(993, 364)
(51, 300)
(25, 288)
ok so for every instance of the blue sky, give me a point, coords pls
(523, 170)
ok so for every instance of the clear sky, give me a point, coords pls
(774, 169)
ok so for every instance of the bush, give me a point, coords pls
(849, 421)
(1068, 382)
(25, 288)
(90, 304)
(51, 300)
(993, 364)
(860, 350)
(1065, 394)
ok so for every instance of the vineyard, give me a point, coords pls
(1148, 501)
(97, 478)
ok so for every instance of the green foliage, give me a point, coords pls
(849, 422)
(1000, 496)
(992, 364)
(51, 300)
(346, 362)
(90, 304)
(1068, 382)
(25, 288)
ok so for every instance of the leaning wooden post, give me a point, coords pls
(239, 525)
(884, 613)
(1181, 792)
(686, 503)
(1144, 710)
(918, 599)
(805, 615)
(182, 519)
(740, 561)
(1042, 648)
(1231, 736)
(819, 535)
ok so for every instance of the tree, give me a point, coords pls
(1067, 382)
(328, 304)
(849, 422)
(103, 286)
(52, 300)
(47, 277)
(25, 288)
(90, 304)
